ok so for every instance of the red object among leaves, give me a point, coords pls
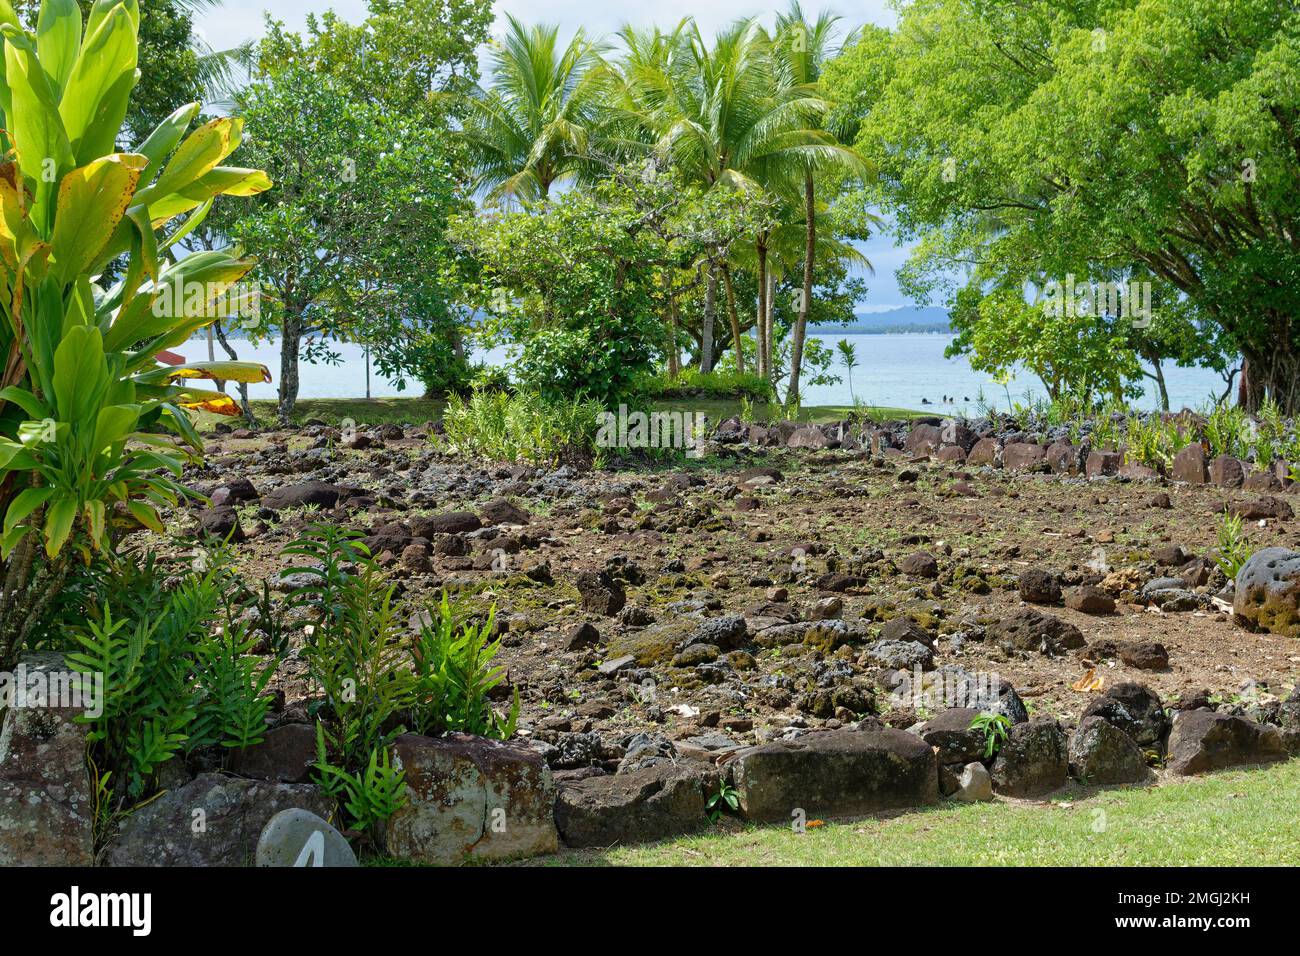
(170, 358)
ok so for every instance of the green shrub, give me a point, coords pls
(522, 426)
(82, 395)
(1271, 434)
(1228, 431)
(720, 384)
(995, 728)
(1233, 550)
(454, 675)
(356, 656)
(178, 673)
(376, 681)
(1152, 441)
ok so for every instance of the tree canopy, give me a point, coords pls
(1021, 143)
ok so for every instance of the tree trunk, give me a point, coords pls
(710, 310)
(771, 327)
(290, 339)
(734, 318)
(243, 386)
(674, 350)
(763, 358)
(1274, 373)
(805, 300)
(1160, 384)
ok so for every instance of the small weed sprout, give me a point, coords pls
(994, 727)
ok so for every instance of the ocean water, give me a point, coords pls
(898, 370)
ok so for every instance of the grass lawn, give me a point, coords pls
(1237, 818)
(377, 411)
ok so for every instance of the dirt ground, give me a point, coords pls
(700, 539)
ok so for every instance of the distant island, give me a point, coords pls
(911, 318)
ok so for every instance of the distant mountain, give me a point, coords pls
(910, 318)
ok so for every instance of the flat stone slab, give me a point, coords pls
(1202, 741)
(213, 820)
(469, 796)
(835, 773)
(45, 796)
(641, 806)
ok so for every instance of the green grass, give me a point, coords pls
(377, 411)
(363, 411)
(1236, 818)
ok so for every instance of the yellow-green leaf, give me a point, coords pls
(146, 515)
(58, 38)
(202, 150)
(58, 524)
(108, 55)
(92, 201)
(217, 371)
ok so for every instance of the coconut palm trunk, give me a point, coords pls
(734, 318)
(710, 315)
(763, 355)
(805, 300)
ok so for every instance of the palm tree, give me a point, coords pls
(531, 128)
(802, 49)
(849, 359)
(724, 116)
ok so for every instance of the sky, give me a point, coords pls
(238, 20)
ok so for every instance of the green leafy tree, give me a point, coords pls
(1039, 139)
(406, 54)
(356, 227)
(582, 283)
(731, 115)
(802, 49)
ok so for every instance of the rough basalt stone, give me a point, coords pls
(1202, 741)
(1101, 755)
(835, 773)
(45, 796)
(1032, 761)
(471, 797)
(986, 451)
(1103, 464)
(600, 593)
(920, 564)
(451, 522)
(214, 820)
(319, 493)
(1022, 456)
(659, 801)
(1089, 599)
(1267, 591)
(1227, 472)
(1135, 709)
(1032, 630)
(923, 440)
(950, 733)
(1039, 586)
(1189, 465)
(286, 754)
